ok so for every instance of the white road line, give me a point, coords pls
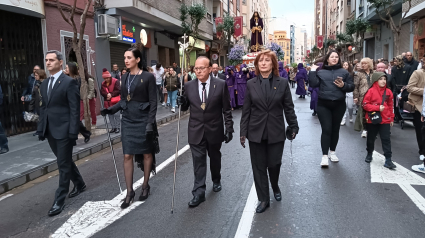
(401, 176)
(6, 196)
(92, 217)
(245, 223)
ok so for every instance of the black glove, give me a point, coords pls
(243, 139)
(228, 137)
(105, 111)
(149, 131)
(181, 100)
(73, 136)
(41, 138)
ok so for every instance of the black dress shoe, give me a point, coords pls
(87, 139)
(56, 208)
(113, 130)
(262, 206)
(4, 150)
(76, 191)
(117, 130)
(278, 196)
(146, 191)
(217, 187)
(35, 134)
(196, 200)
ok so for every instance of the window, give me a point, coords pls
(244, 2)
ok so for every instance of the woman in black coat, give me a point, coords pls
(40, 76)
(267, 97)
(138, 124)
(333, 82)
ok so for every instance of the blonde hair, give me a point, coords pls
(369, 61)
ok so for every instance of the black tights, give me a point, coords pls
(129, 170)
(330, 114)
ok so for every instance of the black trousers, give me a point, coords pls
(266, 157)
(160, 94)
(199, 155)
(68, 171)
(420, 132)
(384, 131)
(330, 115)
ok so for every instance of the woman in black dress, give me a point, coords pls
(40, 76)
(138, 127)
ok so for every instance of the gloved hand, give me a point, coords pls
(181, 100)
(105, 111)
(41, 138)
(149, 131)
(228, 137)
(243, 139)
(294, 135)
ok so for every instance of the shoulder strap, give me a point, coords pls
(383, 96)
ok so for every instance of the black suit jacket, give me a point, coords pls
(259, 115)
(62, 112)
(220, 76)
(208, 122)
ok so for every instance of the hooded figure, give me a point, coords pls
(301, 78)
(231, 84)
(315, 93)
(242, 77)
(282, 71)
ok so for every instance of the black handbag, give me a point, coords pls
(375, 117)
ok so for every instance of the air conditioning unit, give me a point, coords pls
(108, 25)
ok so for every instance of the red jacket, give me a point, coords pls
(114, 89)
(373, 99)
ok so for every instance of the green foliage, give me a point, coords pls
(330, 42)
(191, 16)
(294, 65)
(227, 26)
(357, 27)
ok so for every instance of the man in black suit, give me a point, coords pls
(215, 72)
(59, 118)
(209, 102)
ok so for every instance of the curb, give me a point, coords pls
(32, 174)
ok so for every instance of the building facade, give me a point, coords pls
(280, 38)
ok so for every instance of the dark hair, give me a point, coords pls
(123, 69)
(72, 69)
(328, 55)
(350, 68)
(115, 64)
(158, 65)
(192, 68)
(137, 53)
(87, 75)
(58, 54)
(41, 74)
(253, 14)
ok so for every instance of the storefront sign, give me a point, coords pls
(200, 44)
(128, 39)
(215, 57)
(238, 26)
(128, 32)
(26, 7)
(134, 33)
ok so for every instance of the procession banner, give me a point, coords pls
(319, 41)
(238, 26)
(218, 21)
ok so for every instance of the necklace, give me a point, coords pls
(129, 85)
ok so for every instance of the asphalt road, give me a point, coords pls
(339, 201)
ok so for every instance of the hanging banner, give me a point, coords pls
(218, 21)
(308, 53)
(319, 40)
(238, 26)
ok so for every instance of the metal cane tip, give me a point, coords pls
(171, 212)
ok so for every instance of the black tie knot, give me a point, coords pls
(203, 85)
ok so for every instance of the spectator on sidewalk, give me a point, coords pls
(220, 69)
(30, 85)
(361, 85)
(116, 72)
(91, 96)
(111, 91)
(421, 167)
(379, 98)
(172, 84)
(401, 75)
(158, 71)
(123, 71)
(192, 72)
(40, 76)
(410, 60)
(349, 96)
(176, 68)
(4, 148)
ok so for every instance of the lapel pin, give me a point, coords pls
(214, 85)
(141, 80)
(274, 88)
(59, 81)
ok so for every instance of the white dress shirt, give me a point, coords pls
(207, 87)
(55, 77)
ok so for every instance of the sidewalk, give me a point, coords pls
(29, 158)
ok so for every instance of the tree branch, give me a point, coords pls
(61, 12)
(83, 23)
(404, 16)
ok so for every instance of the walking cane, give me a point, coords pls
(183, 46)
(106, 121)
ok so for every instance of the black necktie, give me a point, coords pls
(50, 86)
(204, 92)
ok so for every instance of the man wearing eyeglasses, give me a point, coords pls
(215, 72)
(210, 124)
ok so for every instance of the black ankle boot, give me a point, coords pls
(368, 158)
(389, 164)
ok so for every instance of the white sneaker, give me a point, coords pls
(422, 157)
(325, 162)
(333, 158)
(163, 104)
(351, 120)
(173, 110)
(419, 168)
(343, 122)
(364, 134)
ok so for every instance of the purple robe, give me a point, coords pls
(282, 71)
(256, 38)
(301, 78)
(241, 79)
(314, 97)
(231, 85)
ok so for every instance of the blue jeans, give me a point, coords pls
(3, 139)
(173, 96)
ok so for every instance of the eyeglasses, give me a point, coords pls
(200, 68)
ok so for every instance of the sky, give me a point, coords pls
(298, 12)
